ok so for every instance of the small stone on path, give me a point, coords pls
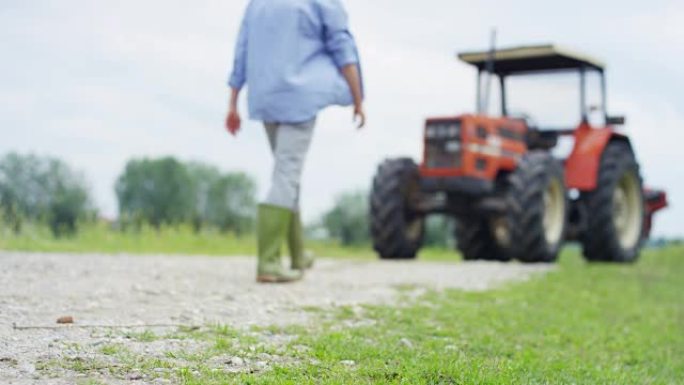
(406, 342)
(65, 320)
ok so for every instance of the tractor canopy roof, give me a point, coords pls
(531, 58)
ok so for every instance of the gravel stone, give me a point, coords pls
(194, 291)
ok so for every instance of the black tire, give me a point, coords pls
(601, 240)
(531, 235)
(396, 228)
(475, 242)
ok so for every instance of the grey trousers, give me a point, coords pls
(289, 144)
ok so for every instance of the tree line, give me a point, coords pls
(46, 190)
(169, 192)
(163, 192)
(155, 192)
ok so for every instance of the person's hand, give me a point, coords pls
(233, 121)
(359, 116)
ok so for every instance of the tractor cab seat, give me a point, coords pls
(541, 140)
(537, 138)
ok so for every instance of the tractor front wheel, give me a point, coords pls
(616, 214)
(397, 228)
(533, 229)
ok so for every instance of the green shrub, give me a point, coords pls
(42, 190)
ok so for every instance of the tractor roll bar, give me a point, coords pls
(532, 59)
(482, 105)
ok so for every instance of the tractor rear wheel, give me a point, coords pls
(533, 228)
(475, 241)
(615, 223)
(397, 228)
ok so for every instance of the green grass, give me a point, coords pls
(181, 240)
(584, 324)
(101, 238)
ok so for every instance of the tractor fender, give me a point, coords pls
(582, 166)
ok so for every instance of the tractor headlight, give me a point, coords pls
(443, 130)
(431, 132)
(454, 130)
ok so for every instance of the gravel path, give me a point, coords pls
(36, 289)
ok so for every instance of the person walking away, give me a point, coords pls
(296, 57)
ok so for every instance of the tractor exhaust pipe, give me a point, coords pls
(489, 69)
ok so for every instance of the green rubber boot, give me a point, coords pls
(295, 241)
(273, 223)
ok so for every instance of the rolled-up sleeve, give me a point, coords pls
(339, 41)
(239, 75)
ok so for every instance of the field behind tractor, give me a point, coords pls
(161, 319)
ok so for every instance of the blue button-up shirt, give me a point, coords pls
(289, 54)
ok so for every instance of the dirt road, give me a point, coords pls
(37, 289)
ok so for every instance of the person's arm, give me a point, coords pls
(342, 48)
(238, 78)
(351, 74)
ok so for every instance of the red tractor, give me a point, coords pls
(511, 197)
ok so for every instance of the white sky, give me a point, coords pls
(99, 82)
